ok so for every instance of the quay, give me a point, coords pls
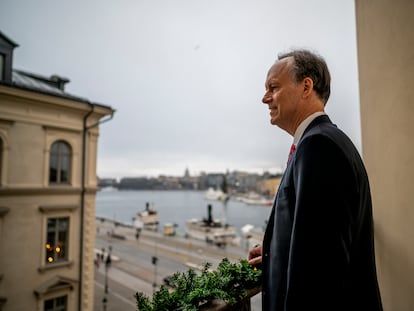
(133, 268)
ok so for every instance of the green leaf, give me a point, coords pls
(228, 283)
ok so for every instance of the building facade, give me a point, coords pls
(48, 152)
(269, 186)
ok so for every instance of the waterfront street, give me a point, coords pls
(132, 267)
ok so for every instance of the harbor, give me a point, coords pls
(177, 207)
(153, 234)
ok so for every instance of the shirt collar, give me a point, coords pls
(305, 123)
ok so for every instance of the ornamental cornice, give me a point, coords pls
(53, 190)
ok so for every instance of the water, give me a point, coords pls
(176, 207)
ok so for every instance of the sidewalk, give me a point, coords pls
(121, 291)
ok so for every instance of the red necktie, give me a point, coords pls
(292, 150)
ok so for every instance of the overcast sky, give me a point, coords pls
(186, 77)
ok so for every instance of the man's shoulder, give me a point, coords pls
(324, 128)
(330, 135)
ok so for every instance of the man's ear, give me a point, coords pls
(307, 86)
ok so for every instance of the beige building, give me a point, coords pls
(48, 152)
(385, 34)
(269, 186)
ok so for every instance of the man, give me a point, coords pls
(318, 248)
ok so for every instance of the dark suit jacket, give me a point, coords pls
(318, 249)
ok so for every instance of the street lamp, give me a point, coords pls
(154, 260)
(107, 265)
(106, 279)
(104, 301)
(175, 225)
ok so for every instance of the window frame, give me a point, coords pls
(4, 150)
(57, 211)
(54, 246)
(54, 300)
(2, 66)
(62, 158)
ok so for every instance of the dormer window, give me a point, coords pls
(6, 58)
(2, 60)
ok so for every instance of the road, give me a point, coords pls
(132, 268)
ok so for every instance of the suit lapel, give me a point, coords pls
(269, 229)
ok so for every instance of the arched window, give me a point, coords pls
(60, 163)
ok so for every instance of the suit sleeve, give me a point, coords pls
(322, 226)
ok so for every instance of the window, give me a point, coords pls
(59, 165)
(2, 61)
(1, 158)
(57, 240)
(56, 304)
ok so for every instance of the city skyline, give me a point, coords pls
(196, 174)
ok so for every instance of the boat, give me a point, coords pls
(212, 231)
(253, 198)
(215, 195)
(147, 219)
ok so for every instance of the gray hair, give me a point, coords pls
(308, 64)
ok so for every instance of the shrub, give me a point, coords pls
(190, 290)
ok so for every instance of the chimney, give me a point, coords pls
(59, 82)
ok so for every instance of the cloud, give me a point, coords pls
(186, 77)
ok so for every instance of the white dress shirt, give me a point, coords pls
(305, 123)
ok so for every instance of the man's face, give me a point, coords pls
(282, 95)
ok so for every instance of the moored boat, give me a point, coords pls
(212, 231)
(147, 219)
(253, 198)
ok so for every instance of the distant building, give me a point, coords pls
(139, 183)
(269, 186)
(243, 181)
(211, 180)
(48, 151)
(106, 182)
(189, 182)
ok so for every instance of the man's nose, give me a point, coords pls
(266, 98)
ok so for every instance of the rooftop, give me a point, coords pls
(53, 85)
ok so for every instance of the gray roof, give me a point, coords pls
(54, 85)
(50, 86)
(37, 83)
